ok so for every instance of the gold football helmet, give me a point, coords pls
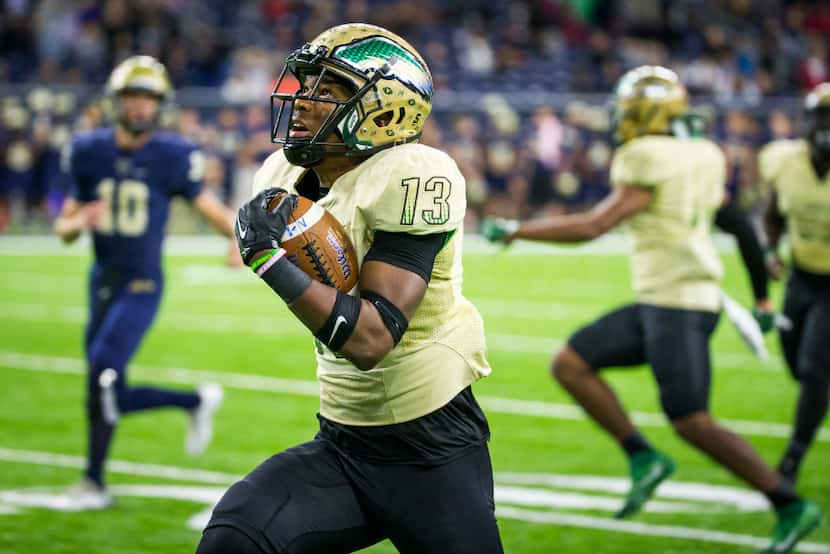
(817, 119)
(138, 74)
(392, 93)
(646, 101)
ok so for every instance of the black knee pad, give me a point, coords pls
(678, 404)
(250, 509)
(258, 504)
(227, 540)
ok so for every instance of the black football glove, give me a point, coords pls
(258, 228)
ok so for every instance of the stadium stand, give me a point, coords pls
(522, 86)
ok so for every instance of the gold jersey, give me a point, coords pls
(803, 199)
(418, 190)
(674, 263)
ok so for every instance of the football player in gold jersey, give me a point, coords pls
(402, 448)
(667, 186)
(798, 172)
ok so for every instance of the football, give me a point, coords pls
(316, 242)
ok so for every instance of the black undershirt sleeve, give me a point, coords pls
(415, 253)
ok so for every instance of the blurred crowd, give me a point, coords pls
(521, 154)
(517, 164)
(729, 48)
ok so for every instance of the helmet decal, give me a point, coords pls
(373, 52)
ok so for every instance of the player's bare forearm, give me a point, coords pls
(313, 307)
(219, 216)
(315, 304)
(622, 203)
(66, 224)
(370, 341)
(75, 218)
(774, 223)
(566, 228)
(67, 230)
(364, 329)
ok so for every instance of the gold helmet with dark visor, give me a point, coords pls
(391, 88)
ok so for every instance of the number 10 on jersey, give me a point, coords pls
(127, 209)
(430, 198)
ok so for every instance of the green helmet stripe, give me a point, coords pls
(375, 48)
(411, 71)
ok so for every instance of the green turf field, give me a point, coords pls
(558, 478)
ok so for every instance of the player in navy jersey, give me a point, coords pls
(124, 179)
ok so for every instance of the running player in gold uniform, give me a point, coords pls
(799, 174)
(402, 447)
(667, 186)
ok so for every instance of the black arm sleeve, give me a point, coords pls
(731, 219)
(415, 253)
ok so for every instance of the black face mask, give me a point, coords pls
(307, 151)
(310, 151)
(818, 131)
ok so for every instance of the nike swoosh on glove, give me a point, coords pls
(259, 227)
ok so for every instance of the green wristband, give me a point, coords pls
(254, 266)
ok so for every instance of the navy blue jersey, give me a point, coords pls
(138, 187)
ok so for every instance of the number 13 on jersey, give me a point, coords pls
(430, 198)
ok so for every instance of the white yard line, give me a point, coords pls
(221, 323)
(545, 410)
(615, 244)
(509, 512)
(117, 466)
(278, 326)
(647, 529)
(551, 410)
(742, 499)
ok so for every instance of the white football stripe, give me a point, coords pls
(118, 466)
(207, 494)
(211, 322)
(306, 222)
(199, 521)
(540, 498)
(740, 499)
(54, 498)
(610, 244)
(648, 529)
(273, 326)
(262, 383)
